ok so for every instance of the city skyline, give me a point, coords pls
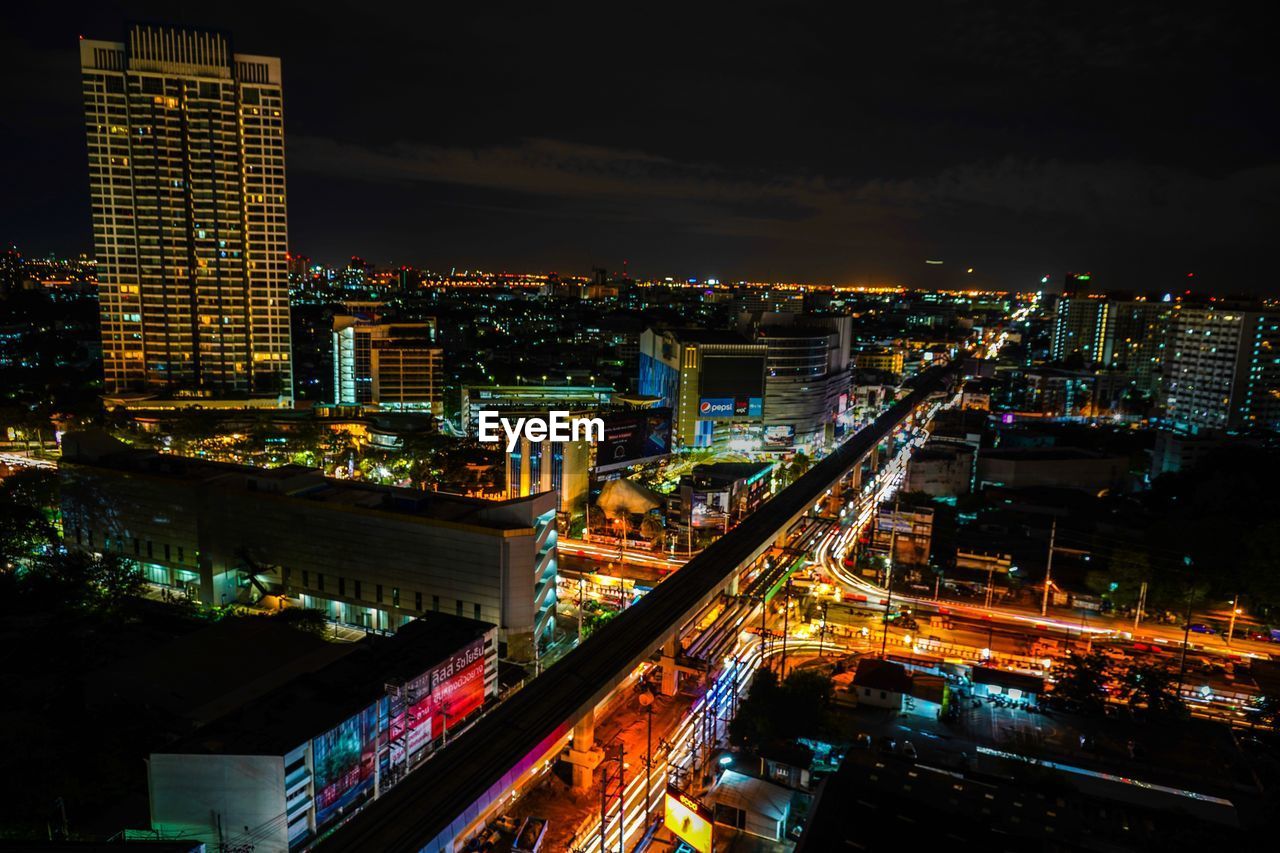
(713, 430)
(508, 164)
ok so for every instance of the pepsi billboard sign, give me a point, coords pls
(726, 408)
(716, 407)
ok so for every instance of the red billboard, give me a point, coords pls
(457, 687)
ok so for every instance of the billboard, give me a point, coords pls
(725, 408)
(689, 819)
(457, 687)
(344, 760)
(732, 376)
(779, 437)
(416, 718)
(630, 437)
(708, 509)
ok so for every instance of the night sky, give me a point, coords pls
(774, 141)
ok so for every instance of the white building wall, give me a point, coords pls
(214, 798)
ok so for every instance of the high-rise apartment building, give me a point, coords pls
(186, 171)
(1115, 334)
(1079, 326)
(392, 366)
(1222, 369)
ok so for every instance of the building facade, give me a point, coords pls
(187, 185)
(392, 366)
(714, 383)
(277, 772)
(369, 556)
(807, 381)
(1222, 370)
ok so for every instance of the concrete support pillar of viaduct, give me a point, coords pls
(732, 588)
(875, 459)
(670, 671)
(584, 756)
(855, 477)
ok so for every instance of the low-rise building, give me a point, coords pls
(941, 469)
(718, 495)
(367, 555)
(273, 774)
(888, 360)
(1019, 686)
(1066, 467)
(752, 805)
(881, 683)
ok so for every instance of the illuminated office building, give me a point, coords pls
(394, 366)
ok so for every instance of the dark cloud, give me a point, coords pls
(763, 140)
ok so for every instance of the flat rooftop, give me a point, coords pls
(203, 675)
(731, 470)
(311, 704)
(97, 449)
(709, 336)
(1043, 454)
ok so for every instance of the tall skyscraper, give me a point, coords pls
(1125, 334)
(186, 170)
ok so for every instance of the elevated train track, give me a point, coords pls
(444, 798)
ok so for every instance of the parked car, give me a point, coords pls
(908, 750)
(862, 741)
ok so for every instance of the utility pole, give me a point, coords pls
(1048, 569)
(646, 699)
(1142, 602)
(822, 632)
(581, 584)
(786, 613)
(1186, 631)
(764, 630)
(1231, 625)
(888, 579)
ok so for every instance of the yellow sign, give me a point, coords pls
(688, 819)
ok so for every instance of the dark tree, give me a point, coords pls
(1082, 684)
(1151, 688)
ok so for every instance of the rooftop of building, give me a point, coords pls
(708, 336)
(937, 451)
(1043, 454)
(876, 804)
(960, 422)
(311, 704)
(1004, 678)
(730, 471)
(797, 331)
(882, 675)
(98, 449)
(203, 675)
